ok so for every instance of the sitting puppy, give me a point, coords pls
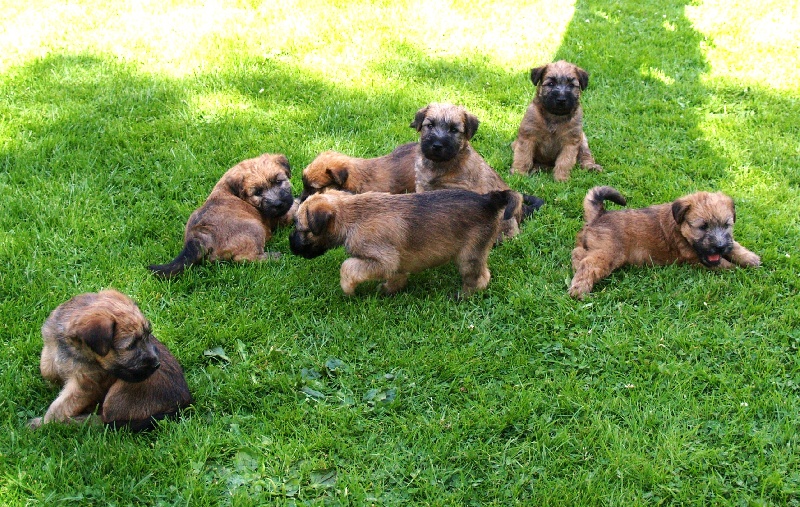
(250, 200)
(551, 132)
(446, 159)
(100, 348)
(695, 229)
(393, 173)
(389, 236)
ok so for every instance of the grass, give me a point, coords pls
(669, 386)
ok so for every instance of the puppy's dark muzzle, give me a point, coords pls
(277, 208)
(438, 149)
(303, 248)
(560, 103)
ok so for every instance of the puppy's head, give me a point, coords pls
(444, 130)
(111, 330)
(313, 233)
(263, 182)
(706, 221)
(559, 86)
(329, 170)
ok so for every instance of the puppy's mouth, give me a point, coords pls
(711, 260)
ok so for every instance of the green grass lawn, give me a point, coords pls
(668, 386)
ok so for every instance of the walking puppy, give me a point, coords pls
(389, 236)
(551, 132)
(100, 348)
(695, 229)
(250, 200)
(446, 159)
(393, 173)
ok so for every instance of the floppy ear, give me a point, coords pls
(418, 119)
(583, 77)
(679, 209)
(236, 185)
(318, 220)
(537, 74)
(284, 162)
(338, 175)
(98, 333)
(470, 124)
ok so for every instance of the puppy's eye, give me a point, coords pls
(453, 129)
(702, 226)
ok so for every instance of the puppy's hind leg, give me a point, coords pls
(588, 271)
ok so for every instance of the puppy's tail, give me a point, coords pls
(192, 253)
(593, 202)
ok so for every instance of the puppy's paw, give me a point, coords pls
(749, 259)
(579, 290)
(35, 423)
(593, 167)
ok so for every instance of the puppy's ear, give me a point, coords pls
(284, 162)
(338, 175)
(318, 220)
(679, 209)
(470, 124)
(419, 118)
(537, 75)
(98, 333)
(583, 77)
(235, 185)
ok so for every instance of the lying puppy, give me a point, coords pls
(695, 229)
(100, 348)
(389, 236)
(238, 218)
(393, 173)
(551, 132)
(446, 159)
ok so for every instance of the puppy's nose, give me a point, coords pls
(437, 145)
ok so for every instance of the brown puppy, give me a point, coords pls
(100, 348)
(250, 200)
(393, 173)
(446, 159)
(695, 229)
(389, 236)
(551, 132)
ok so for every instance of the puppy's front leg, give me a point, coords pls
(356, 270)
(585, 157)
(78, 396)
(743, 257)
(524, 148)
(565, 162)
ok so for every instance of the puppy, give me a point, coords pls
(551, 132)
(250, 200)
(100, 348)
(695, 229)
(446, 159)
(389, 236)
(393, 173)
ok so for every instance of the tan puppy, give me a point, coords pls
(100, 348)
(393, 173)
(446, 159)
(695, 229)
(238, 218)
(551, 132)
(389, 236)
